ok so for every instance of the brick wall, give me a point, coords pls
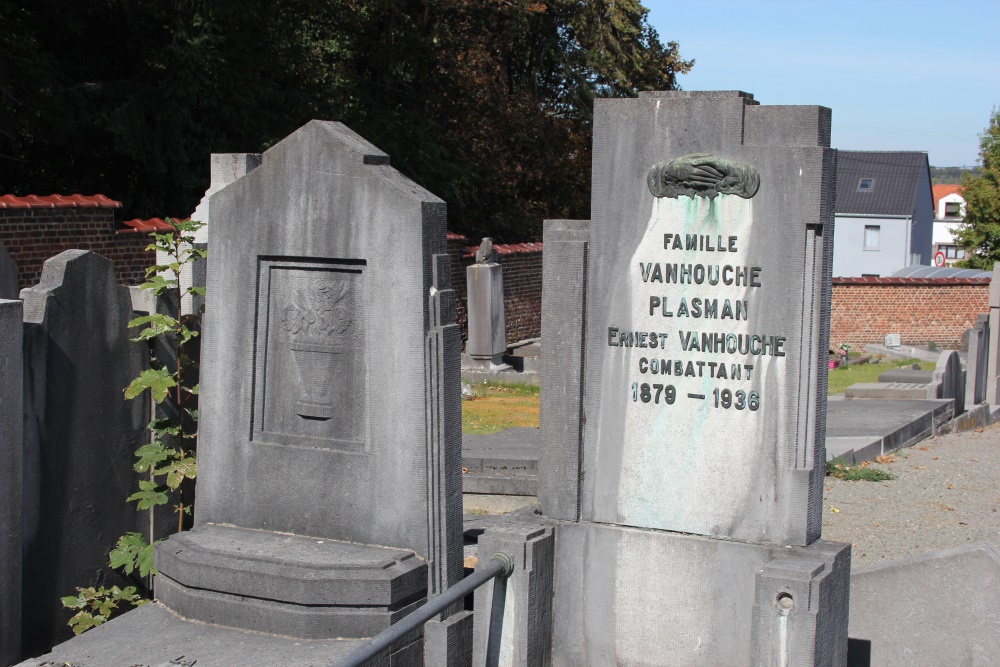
(918, 309)
(33, 235)
(522, 285)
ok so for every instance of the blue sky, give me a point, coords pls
(898, 75)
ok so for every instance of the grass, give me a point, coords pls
(496, 406)
(842, 378)
(848, 473)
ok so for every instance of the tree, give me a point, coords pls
(980, 233)
(486, 103)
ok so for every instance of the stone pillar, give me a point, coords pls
(798, 614)
(11, 446)
(487, 329)
(564, 313)
(527, 618)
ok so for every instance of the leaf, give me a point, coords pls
(150, 455)
(151, 495)
(835, 510)
(126, 553)
(158, 284)
(158, 381)
(74, 601)
(84, 621)
(179, 469)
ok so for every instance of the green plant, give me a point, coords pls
(169, 456)
(96, 605)
(863, 473)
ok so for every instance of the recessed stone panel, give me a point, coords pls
(311, 355)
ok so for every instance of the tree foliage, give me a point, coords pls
(487, 103)
(980, 233)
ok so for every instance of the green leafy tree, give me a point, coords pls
(487, 103)
(980, 233)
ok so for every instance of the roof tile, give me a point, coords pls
(58, 201)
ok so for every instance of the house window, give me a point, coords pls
(953, 252)
(952, 209)
(871, 237)
(866, 184)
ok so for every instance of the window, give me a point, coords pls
(952, 252)
(952, 209)
(866, 184)
(871, 237)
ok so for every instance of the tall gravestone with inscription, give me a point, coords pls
(329, 489)
(689, 499)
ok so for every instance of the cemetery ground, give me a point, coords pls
(943, 492)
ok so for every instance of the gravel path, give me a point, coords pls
(946, 493)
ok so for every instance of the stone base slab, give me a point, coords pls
(287, 584)
(627, 596)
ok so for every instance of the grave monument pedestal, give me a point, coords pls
(687, 503)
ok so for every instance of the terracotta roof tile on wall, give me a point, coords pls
(58, 201)
(138, 226)
(506, 248)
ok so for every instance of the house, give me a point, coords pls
(884, 213)
(949, 212)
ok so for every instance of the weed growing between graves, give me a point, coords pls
(169, 457)
(863, 473)
(495, 406)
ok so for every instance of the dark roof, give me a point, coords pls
(896, 179)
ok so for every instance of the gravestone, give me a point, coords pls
(11, 388)
(80, 435)
(8, 275)
(993, 361)
(329, 488)
(977, 361)
(692, 493)
(484, 288)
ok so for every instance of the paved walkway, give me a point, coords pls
(946, 493)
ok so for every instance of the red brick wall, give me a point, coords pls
(918, 309)
(31, 236)
(522, 285)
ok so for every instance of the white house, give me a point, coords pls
(884, 212)
(949, 212)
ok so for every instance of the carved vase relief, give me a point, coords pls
(313, 357)
(315, 318)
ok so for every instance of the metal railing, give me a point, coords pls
(500, 566)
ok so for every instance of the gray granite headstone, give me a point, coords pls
(329, 489)
(8, 275)
(993, 361)
(977, 360)
(10, 481)
(699, 482)
(80, 435)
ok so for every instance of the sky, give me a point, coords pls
(919, 75)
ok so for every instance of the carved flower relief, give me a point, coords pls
(317, 310)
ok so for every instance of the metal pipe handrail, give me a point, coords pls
(500, 565)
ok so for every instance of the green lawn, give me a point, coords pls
(498, 406)
(842, 378)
